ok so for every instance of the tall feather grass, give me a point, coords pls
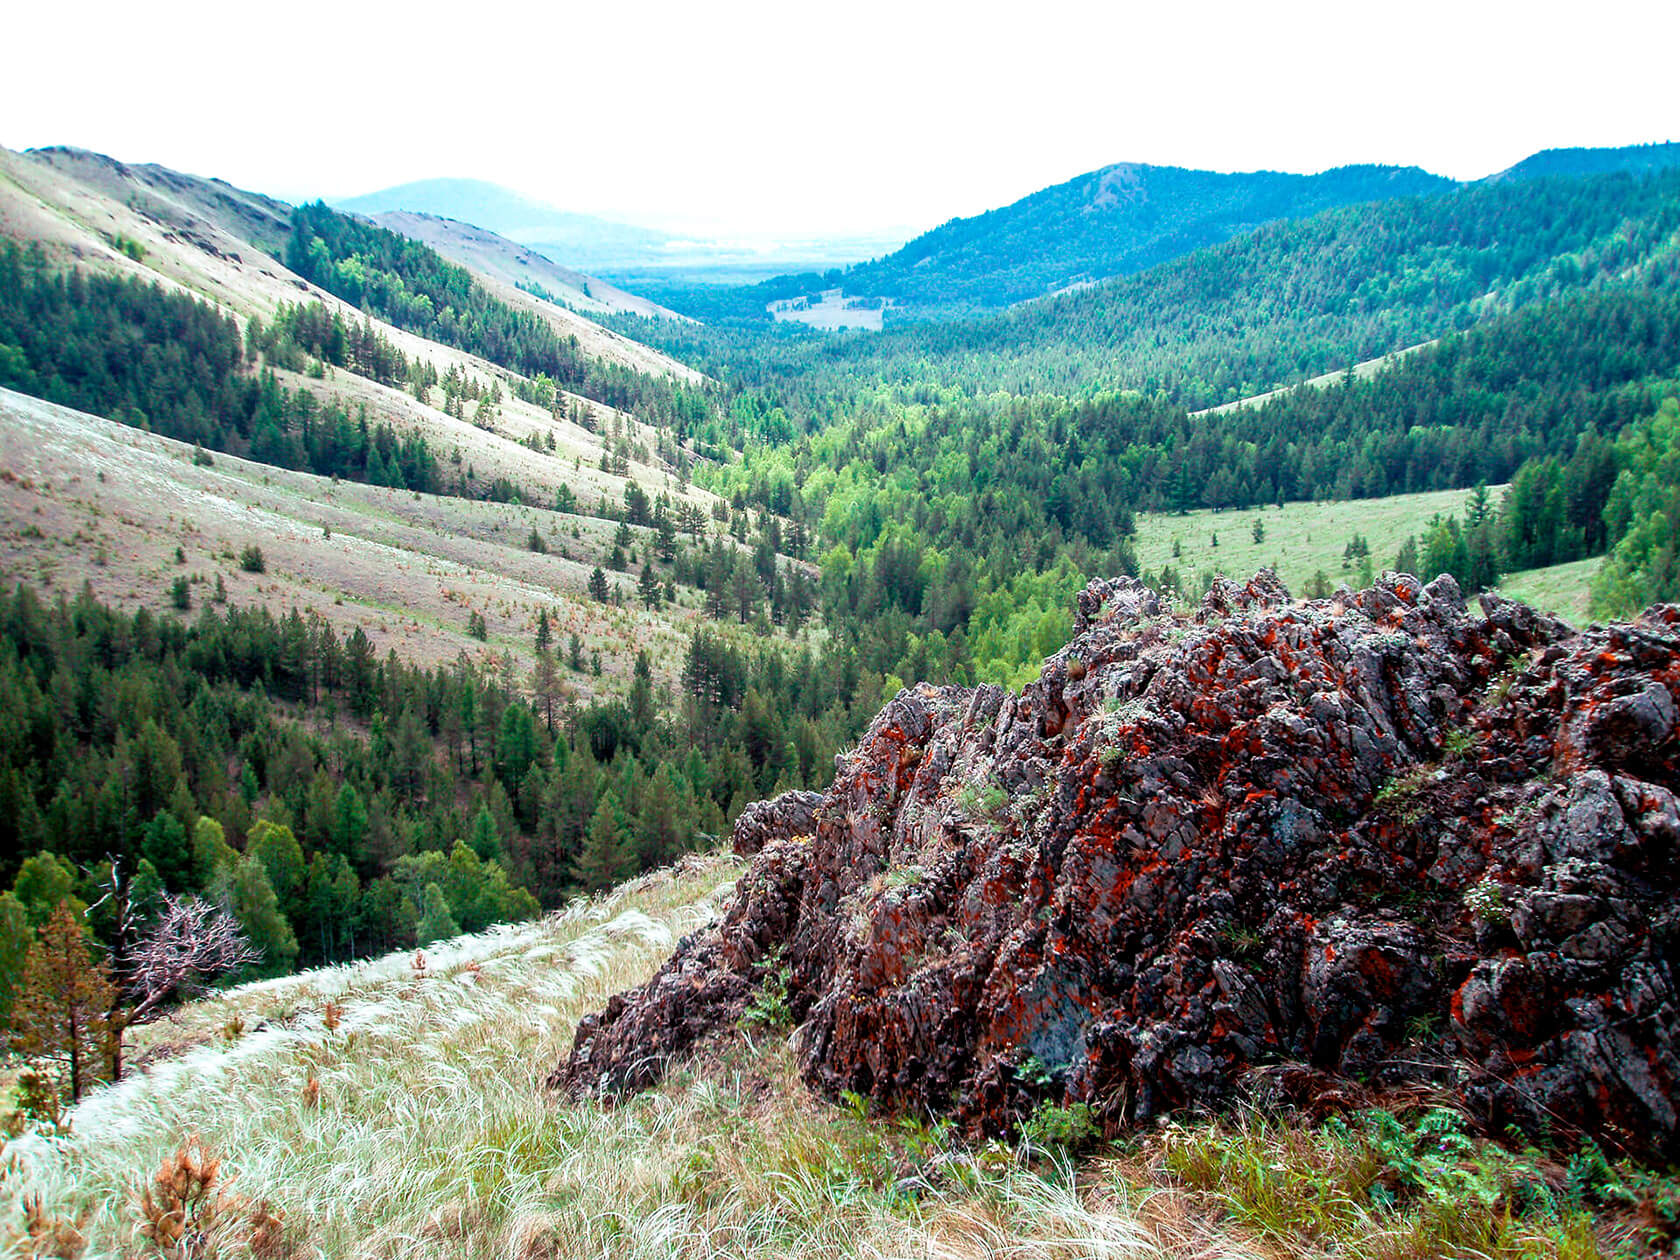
(386, 1109)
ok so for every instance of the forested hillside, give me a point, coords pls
(1110, 222)
(1639, 159)
(962, 529)
(161, 360)
(323, 791)
(1281, 304)
(921, 505)
(407, 283)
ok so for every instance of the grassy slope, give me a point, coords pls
(410, 1121)
(77, 207)
(484, 252)
(86, 499)
(1560, 589)
(1302, 538)
(466, 555)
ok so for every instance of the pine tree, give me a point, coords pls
(436, 921)
(247, 892)
(63, 1007)
(648, 587)
(15, 939)
(1407, 560)
(598, 585)
(605, 857)
(545, 682)
(486, 840)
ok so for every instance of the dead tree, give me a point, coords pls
(187, 944)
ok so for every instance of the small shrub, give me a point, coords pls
(535, 542)
(251, 559)
(1399, 798)
(1485, 900)
(188, 1211)
(50, 1235)
(978, 800)
(40, 1099)
(1061, 1128)
(769, 1006)
(1033, 1072)
(201, 457)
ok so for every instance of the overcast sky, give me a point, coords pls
(786, 119)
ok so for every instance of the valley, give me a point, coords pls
(989, 748)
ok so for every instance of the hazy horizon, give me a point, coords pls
(752, 121)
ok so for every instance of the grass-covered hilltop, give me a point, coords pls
(1144, 723)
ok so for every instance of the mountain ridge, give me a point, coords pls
(585, 239)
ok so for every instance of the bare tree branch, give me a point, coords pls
(189, 943)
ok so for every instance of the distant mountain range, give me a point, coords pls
(1113, 222)
(573, 240)
(622, 251)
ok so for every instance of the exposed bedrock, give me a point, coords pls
(1376, 835)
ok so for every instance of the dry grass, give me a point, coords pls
(393, 1108)
(85, 499)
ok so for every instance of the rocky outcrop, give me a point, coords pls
(1376, 835)
(790, 814)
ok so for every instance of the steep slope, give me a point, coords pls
(488, 254)
(1372, 836)
(170, 196)
(223, 244)
(353, 1100)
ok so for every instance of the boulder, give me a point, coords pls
(1376, 835)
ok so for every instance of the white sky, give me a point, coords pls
(783, 119)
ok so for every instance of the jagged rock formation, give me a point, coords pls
(790, 814)
(1373, 835)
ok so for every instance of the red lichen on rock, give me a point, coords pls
(1373, 835)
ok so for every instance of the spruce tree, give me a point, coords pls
(246, 891)
(15, 939)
